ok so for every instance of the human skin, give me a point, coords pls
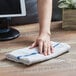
(43, 39)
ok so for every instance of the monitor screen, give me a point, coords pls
(12, 8)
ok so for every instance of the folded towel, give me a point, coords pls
(30, 56)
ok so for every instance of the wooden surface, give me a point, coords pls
(69, 18)
(64, 65)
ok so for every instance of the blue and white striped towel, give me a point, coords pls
(30, 56)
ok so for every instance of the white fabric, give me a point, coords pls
(30, 56)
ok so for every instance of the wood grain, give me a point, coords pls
(64, 65)
(69, 18)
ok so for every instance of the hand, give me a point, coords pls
(44, 44)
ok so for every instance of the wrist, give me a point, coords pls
(45, 33)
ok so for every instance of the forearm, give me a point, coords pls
(45, 14)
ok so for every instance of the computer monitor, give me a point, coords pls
(9, 9)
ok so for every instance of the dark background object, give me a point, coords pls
(57, 12)
(7, 33)
(31, 17)
(32, 14)
(10, 7)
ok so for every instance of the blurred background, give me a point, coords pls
(32, 14)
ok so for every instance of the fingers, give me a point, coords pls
(48, 49)
(40, 46)
(44, 47)
(52, 49)
(45, 50)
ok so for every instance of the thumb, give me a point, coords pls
(33, 45)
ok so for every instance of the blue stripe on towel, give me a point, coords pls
(18, 57)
